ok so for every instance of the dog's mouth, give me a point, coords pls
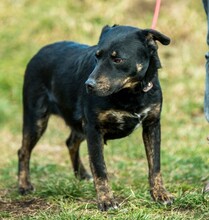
(107, 87)
(99, 89)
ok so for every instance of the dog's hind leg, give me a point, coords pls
(35, 118)
(73, 144)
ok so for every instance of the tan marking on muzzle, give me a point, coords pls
(128, 83)
(103, 82)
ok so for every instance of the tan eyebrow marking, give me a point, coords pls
(139, 67)
(114, 53)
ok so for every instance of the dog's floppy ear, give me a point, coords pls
(156, 35)
(105, 30)
(152, 36)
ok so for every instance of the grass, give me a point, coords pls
(28, 25)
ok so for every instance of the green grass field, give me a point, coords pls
(26, 26)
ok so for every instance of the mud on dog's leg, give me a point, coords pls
(152, 139)
(104, 193)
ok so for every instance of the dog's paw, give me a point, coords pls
(84, 176)
(105, 196)
(26, 189)
(106, 204)
(162, 196)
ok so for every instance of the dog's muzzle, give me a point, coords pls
(99, 88)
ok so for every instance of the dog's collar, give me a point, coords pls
(148, 87)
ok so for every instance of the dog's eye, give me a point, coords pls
(117, 60)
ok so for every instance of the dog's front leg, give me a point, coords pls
(152, 139)
(95, 147)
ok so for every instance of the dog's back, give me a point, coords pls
(53, 77)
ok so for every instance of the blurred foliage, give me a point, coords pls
(27, 25)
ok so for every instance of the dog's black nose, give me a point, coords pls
(90, 85)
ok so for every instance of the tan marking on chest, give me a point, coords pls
(155, 110)
(113, 114)
(119, 119)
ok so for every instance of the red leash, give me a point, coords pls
(156, 13)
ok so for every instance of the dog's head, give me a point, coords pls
(123, 56)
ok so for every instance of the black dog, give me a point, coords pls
(102, 92)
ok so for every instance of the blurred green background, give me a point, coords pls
(28, 25)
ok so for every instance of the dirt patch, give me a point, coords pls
(24, 207)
